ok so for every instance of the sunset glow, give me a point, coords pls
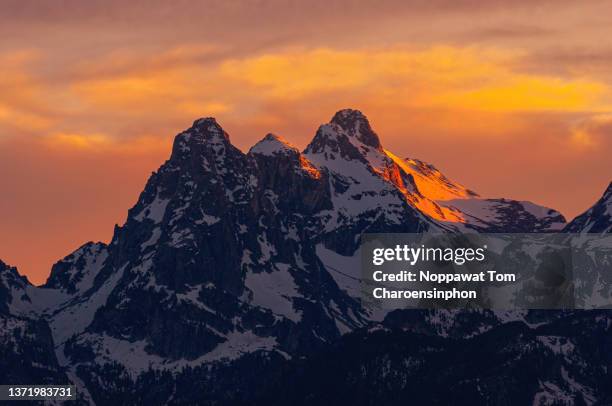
(515, 103)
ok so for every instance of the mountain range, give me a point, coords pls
(234, 280)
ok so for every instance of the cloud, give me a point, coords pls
(127, 96)
(594, 61)
(507, 31)
(80, 141)
(117, 97)
(442, 77)
(97, 90)
(112, 11)
(104, 144)
(124, 62)
(589, 133)
(23, 97)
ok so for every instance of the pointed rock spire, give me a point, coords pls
(208, 127)
(349, 135)
(205, 133)
(356, 124)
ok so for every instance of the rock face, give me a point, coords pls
(27, 356)
(368, 177)
(598, 219)
(233, 267)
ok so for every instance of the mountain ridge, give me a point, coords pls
(230, 258)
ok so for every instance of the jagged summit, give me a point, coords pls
(349, 149)
(9, 269)
(356, 124)
(205, 144)
(364, 174)
(273, 144)
(348, 117)
(206, 128)
(348, 136)
(204, 132)
(233, 262)
(204, 121)
(12, 290)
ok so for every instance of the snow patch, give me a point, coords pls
(154, 211)
(274, 291)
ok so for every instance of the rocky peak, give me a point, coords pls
(273, 144)
(277, 156)
(10, 274)
(12, 287)
(356, 124)
(347, 136)
(208, 127)
(77, 271)
(205, 136)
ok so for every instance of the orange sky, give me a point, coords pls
(510, 98)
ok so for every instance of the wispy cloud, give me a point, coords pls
(592, 131)
(97, 89)
(117, 93)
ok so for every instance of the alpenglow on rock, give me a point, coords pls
(232, 264)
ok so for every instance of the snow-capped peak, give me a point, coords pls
(363, 176)
(273, 144)
(351, 150)
(347, 137)
(356, 124)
